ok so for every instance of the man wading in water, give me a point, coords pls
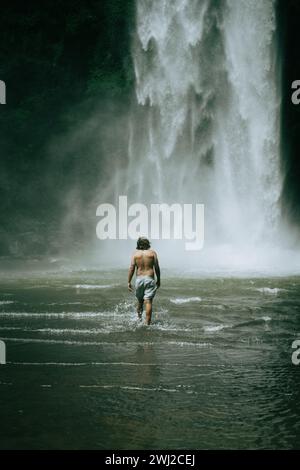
(145, 261)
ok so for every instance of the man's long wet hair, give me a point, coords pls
(143, 244)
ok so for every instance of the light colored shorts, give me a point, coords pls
(145, 288)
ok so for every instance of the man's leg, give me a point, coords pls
(148, 304)
(139, 308)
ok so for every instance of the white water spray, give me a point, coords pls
(207, 124)
(205, 127)
(206, 80)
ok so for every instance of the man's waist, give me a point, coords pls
(148, 276)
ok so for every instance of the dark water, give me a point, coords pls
(213, 371)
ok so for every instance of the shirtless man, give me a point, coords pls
(145, 261)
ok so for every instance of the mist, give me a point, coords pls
(191, 105)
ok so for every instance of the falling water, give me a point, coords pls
(205, 127)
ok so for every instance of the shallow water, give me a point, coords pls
(213, 370)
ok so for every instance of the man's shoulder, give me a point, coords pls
(153, 252)
(150, 252)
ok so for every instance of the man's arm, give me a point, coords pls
(157, 270)
(131, 272)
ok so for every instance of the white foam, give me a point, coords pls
(71, 331)
(53, 341)
(270, 290)
(187, 343)
(5, 302)
(73, 315)
(171, 329)
(266, 318)
(185, 300)
(133, 388)
(85, 331)
(84, 364)
(12, 328)
(101, 343)
(94, 286)
(212, 328)
(65, 303)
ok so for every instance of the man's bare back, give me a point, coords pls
(145, 261)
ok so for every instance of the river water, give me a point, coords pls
(214, 369)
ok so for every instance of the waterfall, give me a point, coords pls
(205, 127)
